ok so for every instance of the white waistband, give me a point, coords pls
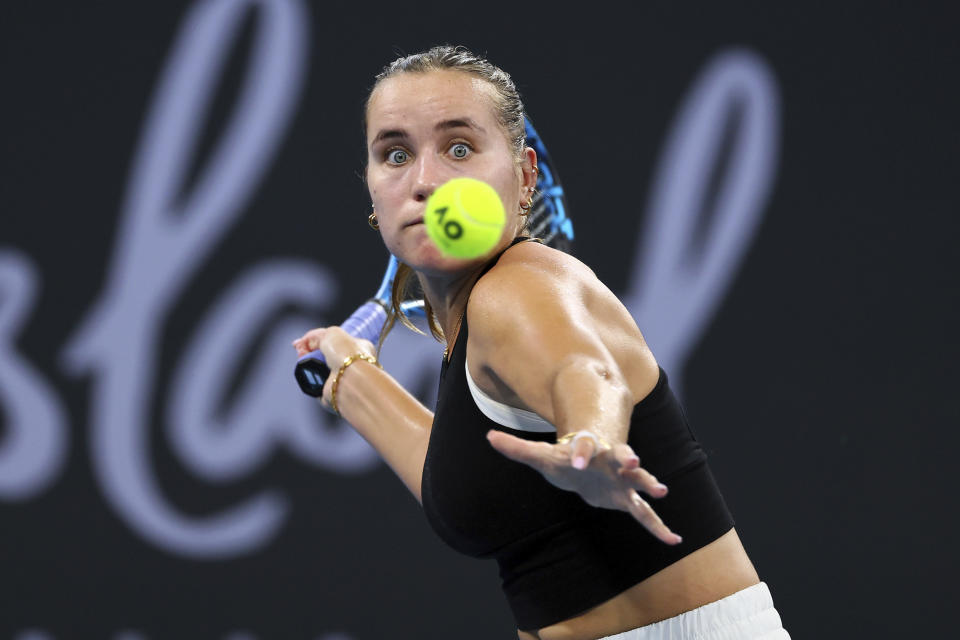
(745, 615)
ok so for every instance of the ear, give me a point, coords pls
(528, 178)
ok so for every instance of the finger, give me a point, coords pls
(646, 516)
(534, 454)
(302, 338)
(313, 338)
(625, 457)
(642, 480)
(310, 341)
(582, 452)
(298, 344)
(302, 348)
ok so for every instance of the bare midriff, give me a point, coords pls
(711, 573)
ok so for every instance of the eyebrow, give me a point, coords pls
(455, 123)
(459, 123)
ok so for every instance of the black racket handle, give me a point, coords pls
(311, 375)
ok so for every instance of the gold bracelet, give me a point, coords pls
(346, 363)
(571, 438)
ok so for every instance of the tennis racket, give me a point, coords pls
(548, 221)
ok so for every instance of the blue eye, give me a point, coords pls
(460, 150)
(397, 156)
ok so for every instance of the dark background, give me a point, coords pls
(823, 388)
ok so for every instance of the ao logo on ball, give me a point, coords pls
(465, 218)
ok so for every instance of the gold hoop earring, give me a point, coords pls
(373, 222)
(525, 208)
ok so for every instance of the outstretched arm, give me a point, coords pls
(548, 331)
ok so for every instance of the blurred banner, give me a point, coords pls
(770, 192)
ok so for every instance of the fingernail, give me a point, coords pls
(678, 538)
(661, 486)
(579, 462)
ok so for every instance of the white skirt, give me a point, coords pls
(744, 615)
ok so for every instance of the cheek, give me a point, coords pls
(382, 185)
(509, 188)
(379, 195)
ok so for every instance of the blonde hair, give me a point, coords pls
(510, 114)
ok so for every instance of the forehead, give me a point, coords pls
(428, 97)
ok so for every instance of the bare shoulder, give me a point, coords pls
(532, 269)
(535, 254)
(536, 292)
(542, 306)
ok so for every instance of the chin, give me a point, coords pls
(430, 261)
(420, 253)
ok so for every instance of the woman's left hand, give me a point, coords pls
(604, 476)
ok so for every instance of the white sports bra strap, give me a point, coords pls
(504, 414)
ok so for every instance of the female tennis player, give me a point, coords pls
(553, 419)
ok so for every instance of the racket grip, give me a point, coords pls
(365, 323)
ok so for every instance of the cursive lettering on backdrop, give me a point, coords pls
(36, 439)
(164, 236)
(678, 283)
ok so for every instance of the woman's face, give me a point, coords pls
(422, 130)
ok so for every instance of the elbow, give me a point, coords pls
(591, 376)
(583, 367)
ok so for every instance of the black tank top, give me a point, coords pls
(559, 556)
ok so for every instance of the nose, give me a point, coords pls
(428, 176)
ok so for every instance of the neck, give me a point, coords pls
(448, 294)
(448, 297)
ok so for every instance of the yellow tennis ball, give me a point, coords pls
(465, 218)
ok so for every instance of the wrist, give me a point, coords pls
(345, 364)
